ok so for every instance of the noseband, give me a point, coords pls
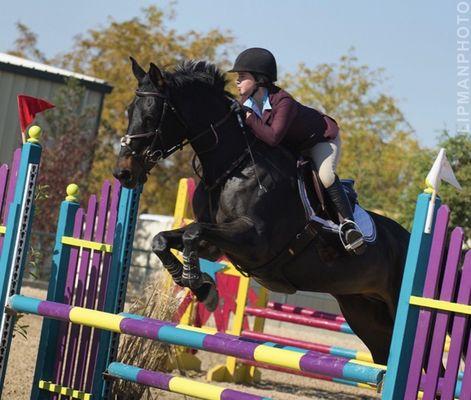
(150, 156)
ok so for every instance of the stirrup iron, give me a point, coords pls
(358, 245)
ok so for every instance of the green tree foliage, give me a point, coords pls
(377, 142)
(458, 149)
(104, 52)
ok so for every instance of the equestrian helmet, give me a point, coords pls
(256, 60)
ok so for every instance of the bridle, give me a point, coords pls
(150, 156)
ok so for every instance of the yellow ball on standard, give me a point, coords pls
(34, 132)
(72, 190)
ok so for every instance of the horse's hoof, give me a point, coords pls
(207, 293)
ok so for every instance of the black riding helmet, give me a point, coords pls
(258, 61)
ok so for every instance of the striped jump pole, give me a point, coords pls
(311, 312)
(319, 347)
(261, 338)
(322, 323)
(177, 384)
(307, 311)
(308, 375)
(344, 381)
(191, 337)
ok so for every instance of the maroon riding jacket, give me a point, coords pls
(290, 123)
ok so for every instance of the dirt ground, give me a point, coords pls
(276, 385)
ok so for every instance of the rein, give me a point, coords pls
(151, 156)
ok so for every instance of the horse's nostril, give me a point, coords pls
(122, 174)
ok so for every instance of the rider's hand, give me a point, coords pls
(248, 114)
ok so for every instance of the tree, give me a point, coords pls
(104, 52)
(458, 150)
(26, 44)
(378, 143)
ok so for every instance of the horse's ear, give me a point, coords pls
(156, 76)
(137, 70)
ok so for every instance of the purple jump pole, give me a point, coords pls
(301, 344)
(321, 323)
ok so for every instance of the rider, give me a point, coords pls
(276, 118)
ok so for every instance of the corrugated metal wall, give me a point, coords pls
(12, 84)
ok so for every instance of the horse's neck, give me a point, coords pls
(220, 146)
(230, 148)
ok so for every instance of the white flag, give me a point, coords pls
(441, 170)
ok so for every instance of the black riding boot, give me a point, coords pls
(352, 236)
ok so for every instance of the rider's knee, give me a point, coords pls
(327, 176)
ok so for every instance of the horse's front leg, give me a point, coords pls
(226, 237)
(162, 243)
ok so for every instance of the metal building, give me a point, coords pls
(21, 76)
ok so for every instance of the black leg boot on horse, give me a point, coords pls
(201, 284)
(351, 236)
(188, 273)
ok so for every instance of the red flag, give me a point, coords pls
(28, 107)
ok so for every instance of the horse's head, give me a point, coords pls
(155, 129)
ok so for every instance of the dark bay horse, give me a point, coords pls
(247, 205)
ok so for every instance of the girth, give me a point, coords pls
(271, 273)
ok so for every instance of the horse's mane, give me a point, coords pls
(190, 71)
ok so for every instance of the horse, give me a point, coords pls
(247, 206)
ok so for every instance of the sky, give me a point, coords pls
(414, 41)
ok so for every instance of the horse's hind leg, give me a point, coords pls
(370, 319)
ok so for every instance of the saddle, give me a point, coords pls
(321, 215)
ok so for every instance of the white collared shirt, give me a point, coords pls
(252, 104)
